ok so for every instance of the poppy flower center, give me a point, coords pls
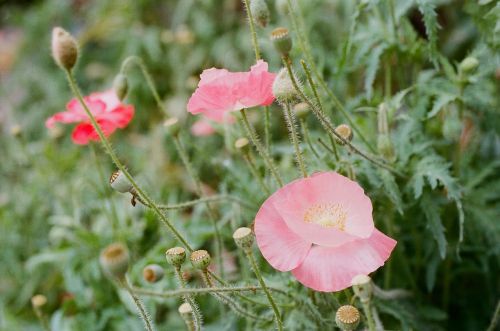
(328, 215)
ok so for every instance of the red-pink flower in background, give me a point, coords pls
(202, 128)
(107, 109)
(220, 92)
(321, 229)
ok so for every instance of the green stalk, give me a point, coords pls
(199, 291)
(140, 307)
(42, 319)
(219, 197)
(307, 138)
(262, 151)
(109, 149)
(369, 315)
(252, 31)
(294, 138)
(253, 169)
(197, 318)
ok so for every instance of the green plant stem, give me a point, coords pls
(212, 198)
(256, 270)
(197, 318)
(267, 131)
(325, 122)
(140, 307)
(294, 138)
(307, 138)
(369, 315)
(149, 80)
(494, 318)
(42, 319)
(262, 151)
(211, 214)
(199, 291)
(252, 30)
(109, 149)
(253, 169)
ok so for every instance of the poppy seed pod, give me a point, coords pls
(64, 48)
(363, 287)
(243, 237)
(114, 260)
(260, 12)
(152, 273)
(281, 40)
(120, 85)
(119, 182)
(200, 259)
(185, 310)
(345, 132)
(175, 256)
(347, 318)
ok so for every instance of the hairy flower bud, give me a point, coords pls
(173, 126)
(200, 259)
(363, 287)
(64, 48)
(260, 12)
(345, 132)
(283, 88)
(347, 318)
(176, 256)
(468, 64)
(114, 260)
(185, 310)
(152, 273)
(243, 237)
(120, 85)
(281, 40)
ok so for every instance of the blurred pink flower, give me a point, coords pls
(202, 128)
(321, 229)
(220, 91)
(107, 109)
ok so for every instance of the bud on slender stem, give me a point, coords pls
(260, 12)
(200, 259)
(283, 88)
(244, 238)
(120, 85)
(468, 64)
(64, 48)
(152, 273)
(345, 132)
(114, 260)
(281, 40)
(176, 256)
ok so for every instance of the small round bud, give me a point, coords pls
(468, 64)
(345, 132)
(281, 40)
(119, 182)
(38, 301)
(260, 12)
(172, 125)
(152, 273)
(200, 259)
(120, 85)
(114, 260)
(363, 287)
(243, 237)
(283, 88)
(347, 318)
(64, 48)
(185, 310)
(242, 144)
(301, 109)
(176, 256)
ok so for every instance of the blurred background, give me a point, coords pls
(57, 211)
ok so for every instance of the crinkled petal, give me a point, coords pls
(75, 112)
(330, 269)
(120, 116)
(84, 132)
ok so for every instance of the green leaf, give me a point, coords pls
(391, 189)
(431, 212)
(440, 102)
(371, 70)
(428, 10)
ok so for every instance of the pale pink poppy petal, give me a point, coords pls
(202, 128)
(282, 248)
(109, 98)
(258, 87)
(75, 113)
(329, 269)
(120, 116)
(209, 75)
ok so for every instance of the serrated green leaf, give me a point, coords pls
(431, 212)
(428, 10)
(440, 102)
(391, 189)
(371, 70)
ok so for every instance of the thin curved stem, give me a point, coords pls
(294, 138)
(140, 307)
(307, 138)
(109, 149)
(212, 198)
(255, 267)
(197, 318)
(253, 169)
(252, 30)
(262, 151)
(42, 319)
(149, 80)
(199, 291)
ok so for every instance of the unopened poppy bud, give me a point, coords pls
(345, 132)
(152, 273)
(172, 125)
(283, 88)
(363, 287)
(64, 48)
(347, 318)
(120, 85)
(468, 64)
(185, 310)
(243, 237)
(301, 109)
(260, 12)
(281, 40)
(38, 301)
(115, 260)
(175, 256)
(242, 144)
(119, 182)
(200, 259)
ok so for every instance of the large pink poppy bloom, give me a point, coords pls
(220, 91)
(107, 109)
(321, 229)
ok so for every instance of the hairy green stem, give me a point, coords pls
(307, 138)
(252, 30)
(197, 318)
(42, 319)
(294, 138)
(262, 151)
(369, 314)
(109, 149)
(212, 198)
(256, 270)
(149, 80)
(253, 169)
(140, 307)
(198, 291)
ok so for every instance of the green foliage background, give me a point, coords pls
(57, 212)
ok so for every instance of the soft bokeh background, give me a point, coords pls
(57, 212)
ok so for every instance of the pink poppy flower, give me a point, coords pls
(107, 109)
(220, 91)
(202, 128)
(321, 229)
